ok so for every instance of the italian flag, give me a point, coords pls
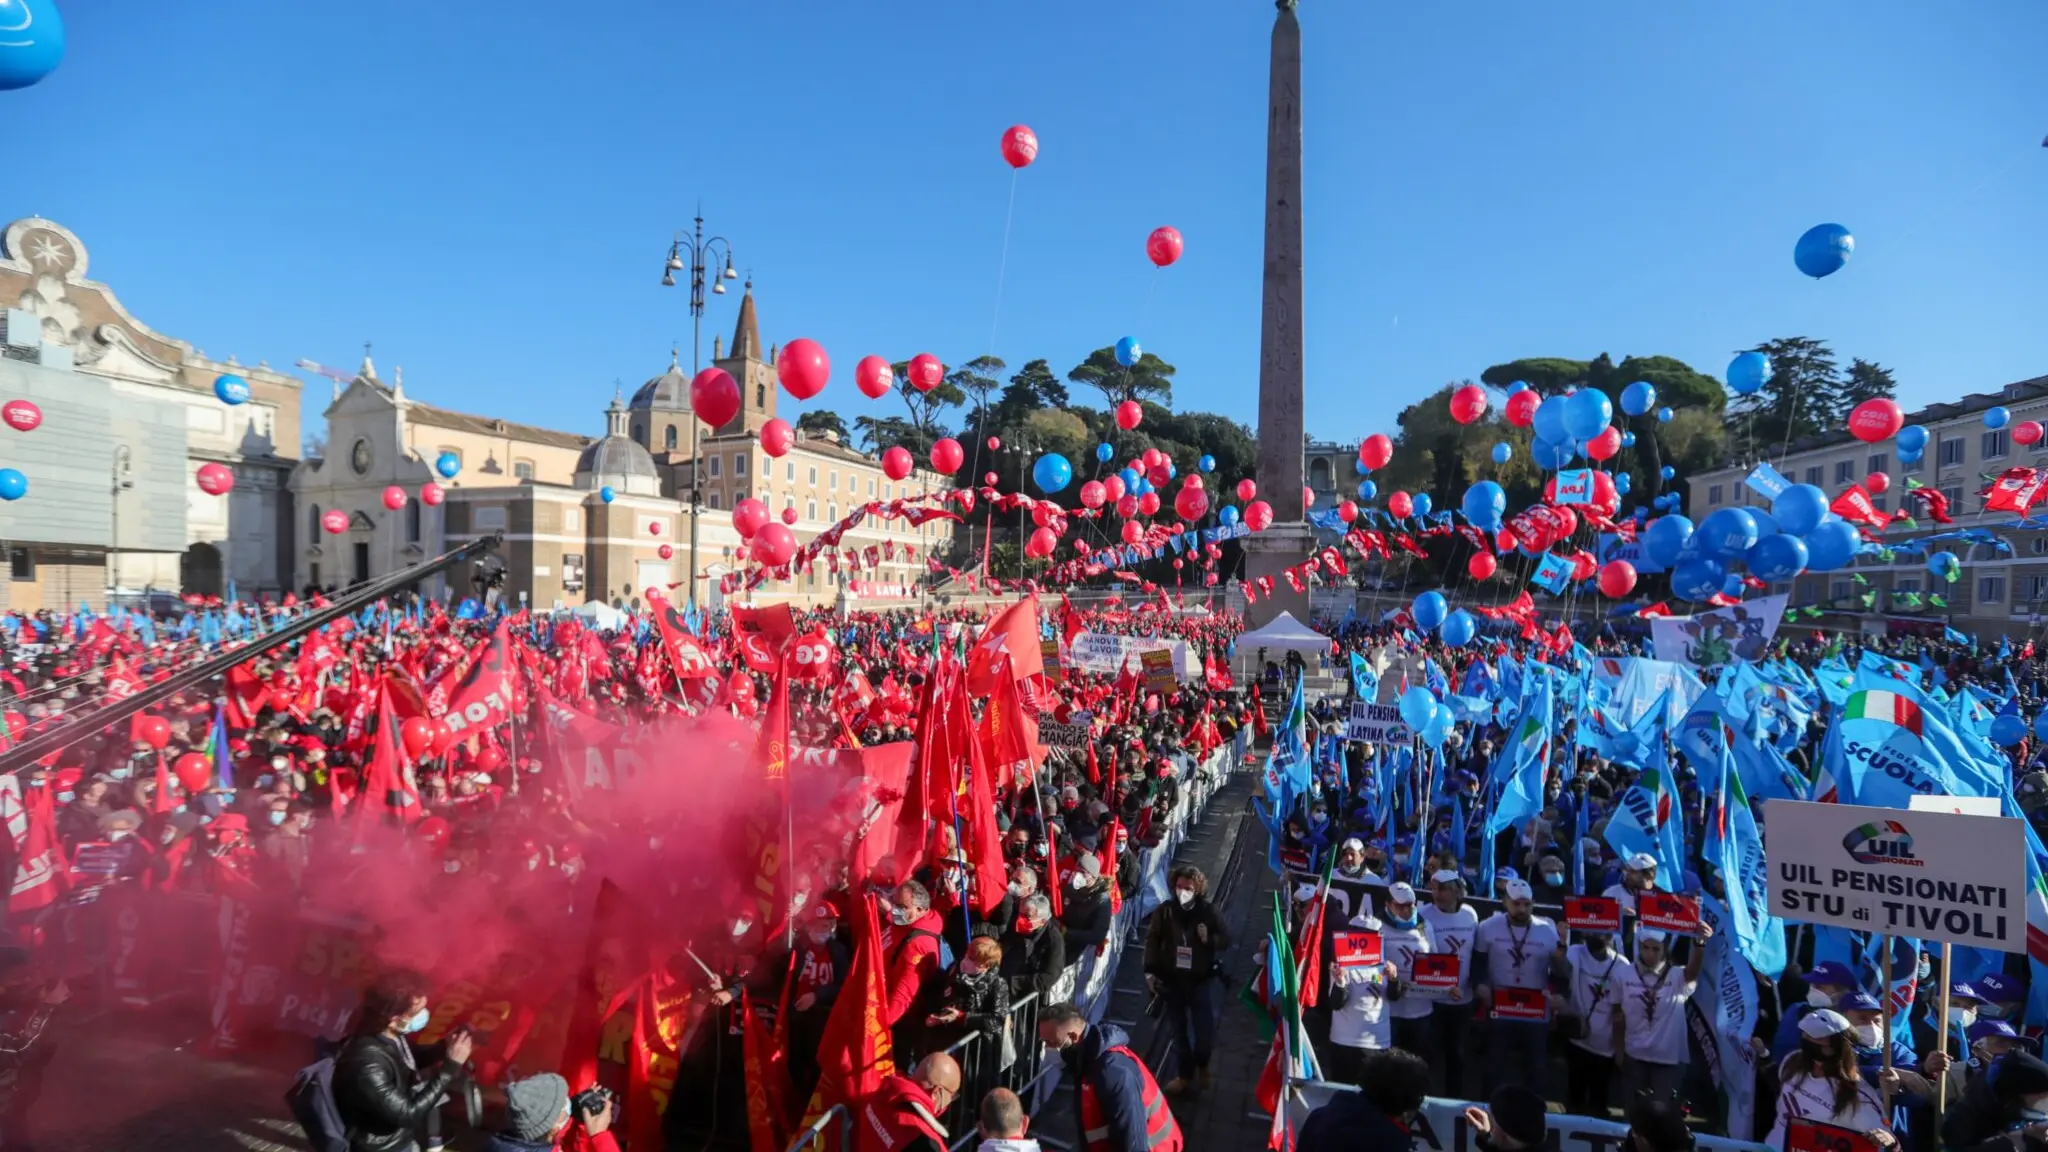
(1886, 706)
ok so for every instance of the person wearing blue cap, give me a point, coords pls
(1866, 1037)
(1989, 1040)
(1826, 982)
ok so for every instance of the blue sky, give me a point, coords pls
(487, 191)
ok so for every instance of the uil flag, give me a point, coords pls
(1646, 820)
(1889, 707)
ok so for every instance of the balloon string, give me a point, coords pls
(1003, 265)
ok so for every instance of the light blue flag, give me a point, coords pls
(1363, 682)
(1734, 847)
(1646, 819)
(1579, 830)
(1287, 773)
(1517, 776)
(1726, 1000)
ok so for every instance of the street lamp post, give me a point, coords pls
(698, 254)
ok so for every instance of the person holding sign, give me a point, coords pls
(1515, 953)
(1594, 993)
(1649, 1029)
(1638, 875)
(1447, 976)
(1405, 935)
(1361, 985)
(1824, 1103)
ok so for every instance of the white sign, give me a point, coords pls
(1740, 632)
(1899, 872)
(1104, 653)
(1442, 1126)
(1960, 805)
(1377, 724)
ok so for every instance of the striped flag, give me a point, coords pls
(1875, 704)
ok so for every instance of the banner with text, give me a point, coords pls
(1738, 633)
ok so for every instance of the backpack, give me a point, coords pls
(311, 1100)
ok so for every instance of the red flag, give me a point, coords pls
(39, 875)
(245, 696)
(2016, 490)
(1012, 634)
(766, 1092)
(1854, 506)
(984, 846)
(615, 961)
(388, 786)
(484, 699)
(772, 748)
(686, 657)
(855, 1052)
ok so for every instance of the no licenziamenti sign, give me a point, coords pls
(1934, 875)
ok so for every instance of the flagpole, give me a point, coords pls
(1941, 1089)
(1884, 1084)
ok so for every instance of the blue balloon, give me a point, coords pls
(34, 43)
(1766, 524)
(1831, 546)
(1912, 438)
(1052, 473)
(1800, 509)
(1229, 515)
(1727, 533)
(1367, 490)
(1667, 472)
(2041, 723)
(1484, 504)
(1549, 420)
(1663, 415)
(13, 485)
(448, 464)
(1623, 482)
(1127, 351)
(1731, 586)
(1358, 467)
(1698, 578)
(2007, 730)
(1144, 487)
(231, 389)
(1439, 728)
(1909, 457)
(1587, 413)
(1778, 557)
(1428, 610)
(1503, 452)
(1995, 418)
(1423, 504)
(1551, 456)
(1943, 564)
(1823, 249)
(1459, 629)
(1628, 439)
(1130, 478)
(1638, 398)
(1748, 372)
(1665, 536)
(1518, 386)
(1207, 463)
(606, 494)
(1418, 708)
(1104, 453)
(1172, 470)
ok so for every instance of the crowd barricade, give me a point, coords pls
(1014, 1059)
(838, 1118)
(1443, 1127)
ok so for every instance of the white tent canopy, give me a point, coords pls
(600, 615)
(1284, 634)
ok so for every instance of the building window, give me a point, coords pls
(1952, 452)
(2039, 545)
(739, 464)
(1882, 462)
(832, 482)
(1713, 494)
(572, 519)
(814, 477)
(2037, 588)
(488, 517)
(789, 471)
(668, 438)
(572, 572)
(313, 524)
(1995, 444)
(522, 469)
(1813, 475)
(1991, 589)
(810, 509)
(412, 521)
(21, 564)
(1881, 503)
(832, 513)
(1955, 498)
(711, 501)
(714, 472)
(1839, 590)
(1906, 584)
(639, 433)
(760, 396)
(1845, 472)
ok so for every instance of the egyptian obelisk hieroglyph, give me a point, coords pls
(1289, 540)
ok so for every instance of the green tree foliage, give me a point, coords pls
(1678, 384)
(1866, 380)
(977, 379)
(1803, 397)
(821, 420)
(925, 407)
(1149, 379)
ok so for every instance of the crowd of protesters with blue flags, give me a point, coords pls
(1534, 771)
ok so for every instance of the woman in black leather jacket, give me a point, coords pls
(384, 1088)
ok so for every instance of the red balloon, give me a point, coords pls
(1191, 503)
(1570, 520)
(1148, 504)
(417, 734)
(433, 831)
(873, 377)
(1133, 532)
(1040, 516)
(1158, 476)
(714, 396)
(1606, 497)
(1246, 490)
(1877, 483)
(1347, 511)
(489, 758)
(1468, 403)
(926, 373)
(1504, 540)
(1127, 506)
(1163, 246)
(1617, 579)
(194, 772)
(947, 456)
(1308, 496)
(1148, 460)
(1129, 415)
(1583, 565)
(1521, 408)
(803, 368)
(896, 462)
(1092, 495)
(747, 517)
(995, 443)
(1176, 565)
(665, 552)
(789, 514)
(1258, 515)
(1192, 480)
(2026, 432)
(216, 479)
(394, 498)
(1020, 146)
(154, 731)
(431, 494)
(24, 416)
(1482, 565)
(1401, 504)
(1042, 542)
(774, 545)
(654, 527)
(988, 478)
(1605, 445)
(742, 553)
(1876, 419)
(335, 521)
(1375, 451)
(1112, 488)
(777, 437)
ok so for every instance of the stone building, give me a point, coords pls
(132, 516)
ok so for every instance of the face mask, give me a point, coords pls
(451, 867)
(1553, 879)
(121, 773)
(414, 1023)
(969, 968)
(1024, 926)
(1925, 970)
(277, 816)
(1080, 882)
(901, 915)
(278, 763)
(1867, 1035)
(1962, 1017)
(1400, 921)
(1186, 896)
(1994, 1012)
(1351, 869)
(1019, 890)
(1596, 947)
(739, 928)
(118, 835)
(1819, 999)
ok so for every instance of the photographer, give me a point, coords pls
(539, 1112)
(383, 1098)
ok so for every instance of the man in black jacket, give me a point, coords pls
(1034, 949)
(380, 1091)
(1180, 966)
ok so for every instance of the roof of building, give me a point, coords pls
(435, 417)
(746, 332)
(669, 391)
(616, 456)
(2032, 388)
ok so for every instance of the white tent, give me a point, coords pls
(599, 615)
(1284, 634)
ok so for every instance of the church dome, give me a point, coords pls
(616, 462)
(669, 391)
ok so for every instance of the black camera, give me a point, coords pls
(590, 1101)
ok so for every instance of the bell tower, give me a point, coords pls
(755, 374)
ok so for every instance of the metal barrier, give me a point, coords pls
(1446, 1130)
(811, 1135)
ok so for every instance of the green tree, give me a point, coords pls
(1548, 375)
(925, 407)
(879, 432)
(976, 378)
(1149, 379)
(819, 421)
(1866, 380)
(1803, 397)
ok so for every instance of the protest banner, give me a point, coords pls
(1933, 875)
(1437, 971)
(1520, 1004)
(1377, 724)
(1049, 655)
(1063, 735)
(1355, 949)
(1959, 805)
(1158, 667)
(1739, 633)
(1105, 653)
(1574, 486)
(1612, 547)
(1592, 914)
(1442, 1126)
(1668, 912)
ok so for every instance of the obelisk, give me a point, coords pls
(1288, 542)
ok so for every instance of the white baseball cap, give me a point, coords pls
(1641, 862)
(1447, 876)
(1822, 1023)
(1520, 890)
(1401, 894)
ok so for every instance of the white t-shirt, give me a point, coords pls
(1622, 895)
(1812, 1098)
(1595, 991)
(1653, 1013)
(1515, 957)
(1453, 932)
(1363, 1021)
(1401, 946)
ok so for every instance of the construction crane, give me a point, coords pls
(335, 374)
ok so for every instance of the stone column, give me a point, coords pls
(1289, 540)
